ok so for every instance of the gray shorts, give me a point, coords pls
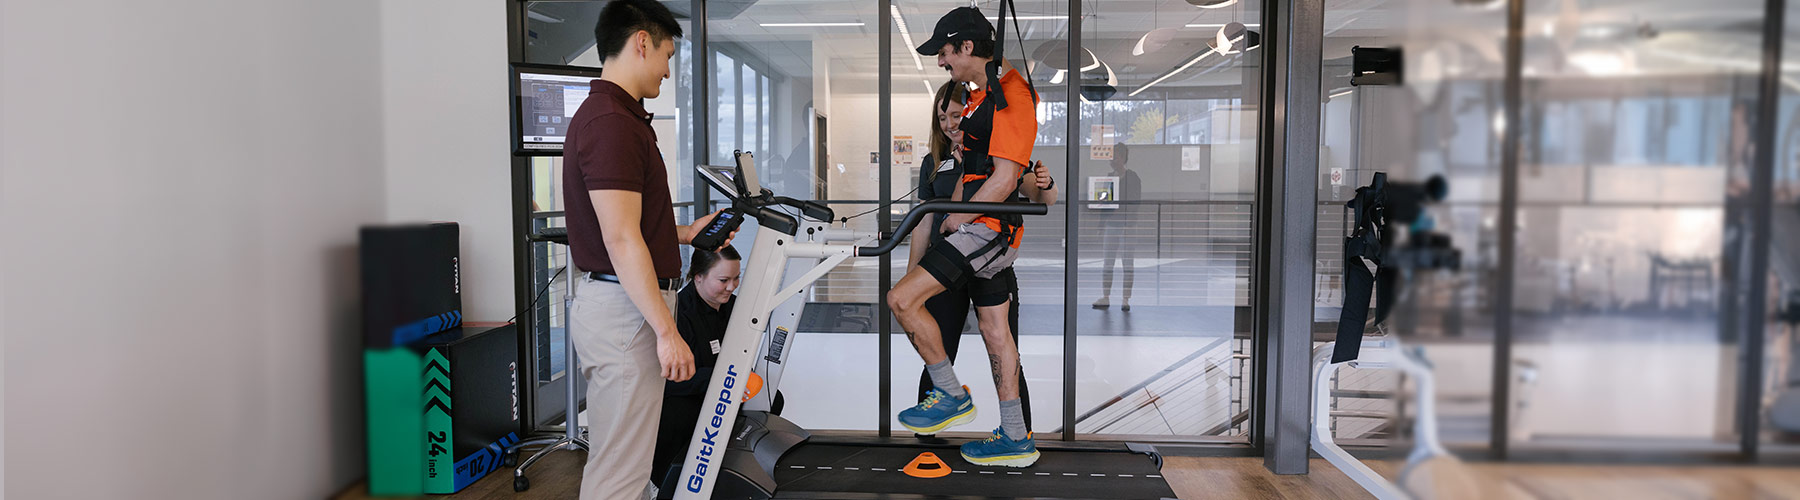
(974, 251)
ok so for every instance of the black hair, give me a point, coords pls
(704, 261)
(622, 18)
(1122, 151)
(982, 47)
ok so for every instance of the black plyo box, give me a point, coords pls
(471, 389)
(411, 282)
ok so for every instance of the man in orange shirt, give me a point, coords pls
(999, 129)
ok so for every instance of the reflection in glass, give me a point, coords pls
(1631, 140)
(1781, 385)
(726, 116)
(1442, 122)
(781, 91)
(1165, 195)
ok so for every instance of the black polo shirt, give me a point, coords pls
(937, 181)
(702, 327)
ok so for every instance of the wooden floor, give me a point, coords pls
(558, 477)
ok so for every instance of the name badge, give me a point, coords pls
(947, 166)
(715, 346)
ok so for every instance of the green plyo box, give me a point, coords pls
(396, 429)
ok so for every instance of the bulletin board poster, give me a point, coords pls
(1103, 191)
(1190, 158)
(1102, 141)
(903, 150)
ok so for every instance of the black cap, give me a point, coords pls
(962, 23)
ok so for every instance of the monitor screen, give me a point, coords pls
(746, 164)
(723, 179)
(546, 104)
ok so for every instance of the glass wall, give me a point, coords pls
(1167, 143)
(1632, 208)
(1780, 405)
(1443, 122)
(1631, 217)
(794, 81)
(1032, 47)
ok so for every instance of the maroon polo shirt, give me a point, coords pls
(611, 146)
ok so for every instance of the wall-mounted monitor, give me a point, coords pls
(544, 100)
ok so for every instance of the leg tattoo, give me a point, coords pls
(994, 367)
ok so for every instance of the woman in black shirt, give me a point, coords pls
(703, 308)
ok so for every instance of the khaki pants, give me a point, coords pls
(624, 389)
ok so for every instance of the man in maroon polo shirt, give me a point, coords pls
(624, 241)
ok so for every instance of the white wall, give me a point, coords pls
(181, 186)
(443, 93)
(856, 135)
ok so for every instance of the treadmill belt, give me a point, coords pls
(843, 471)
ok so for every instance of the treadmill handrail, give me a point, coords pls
(919, 212)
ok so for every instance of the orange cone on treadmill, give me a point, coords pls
(927, 466)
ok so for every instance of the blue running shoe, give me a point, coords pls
(938, 411)
(997, 450)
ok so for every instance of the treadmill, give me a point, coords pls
(740, 449)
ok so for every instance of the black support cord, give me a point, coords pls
(1019, 35)
(540, 294)
(890, 203)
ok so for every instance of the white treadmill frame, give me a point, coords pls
(780, 269)
(1377, 352)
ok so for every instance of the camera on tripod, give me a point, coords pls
(1404, 203)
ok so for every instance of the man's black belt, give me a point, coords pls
(669, 284)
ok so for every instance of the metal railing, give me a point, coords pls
(1184, 252)
(1203, 394)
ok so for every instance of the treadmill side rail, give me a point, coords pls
(703, 466)
(709, 461)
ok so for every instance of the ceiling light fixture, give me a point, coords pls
(1479, 4)
(929, 90)
(542, 17)
(809, 25)
(1219, 25)
(1600, 63)
(1235, 38)
(1154, 40)
(906, 34)
(1212, 4)
(1177, 71)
